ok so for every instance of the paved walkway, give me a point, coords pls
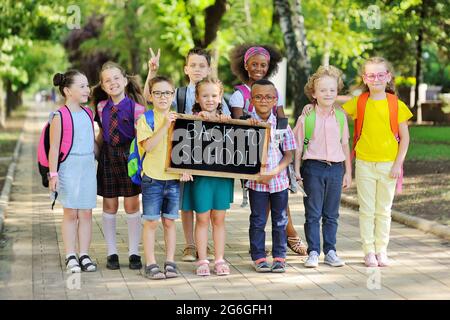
(32, 266)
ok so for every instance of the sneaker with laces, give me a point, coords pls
(382, 259)
(370, 260)
(333, 260)
(313, 260)
(189, 254)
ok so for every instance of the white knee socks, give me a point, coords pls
(134, 232)
(109, 230)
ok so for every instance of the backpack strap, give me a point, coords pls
(340, 117)
(181, 99)
(393, 114)
(360, 110)
(150, 119)
(246, 94)
(99, 112)
(310, 123)
(91, 116)
(66, 133)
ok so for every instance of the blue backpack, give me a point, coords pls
(135, 159)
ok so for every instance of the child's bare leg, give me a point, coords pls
(218, 223)
(84, 230)
(69, 230)
(170, 233)
(110, 205)
(149, 240)
(187, 219)
(290, 230)
(201, 234)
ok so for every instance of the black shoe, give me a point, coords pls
(112, 262)
(135, 262)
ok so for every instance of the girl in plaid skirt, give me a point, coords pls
(119, 103)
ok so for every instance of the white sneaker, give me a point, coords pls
(313, 260)
(333, 260)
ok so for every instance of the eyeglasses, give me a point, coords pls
(260, 97)
(165, 94)
(371, 77)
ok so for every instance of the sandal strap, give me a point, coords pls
(202, 262)
(82, 258)
(170, 266)
(71, 258)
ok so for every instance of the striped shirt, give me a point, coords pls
(281, 181)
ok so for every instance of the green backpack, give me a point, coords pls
(310, 123)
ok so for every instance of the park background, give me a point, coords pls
(40, 38)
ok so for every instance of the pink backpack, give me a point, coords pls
(66, 140)
(248, 107)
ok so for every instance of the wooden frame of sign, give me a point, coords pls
(262, 154)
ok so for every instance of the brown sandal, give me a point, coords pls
(297, 245)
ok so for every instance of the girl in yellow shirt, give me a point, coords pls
(379, 158)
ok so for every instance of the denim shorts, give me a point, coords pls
(160, 198)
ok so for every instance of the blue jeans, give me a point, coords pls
(258, 218)
(323, 185)
(160, 198)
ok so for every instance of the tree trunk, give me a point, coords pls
(13, 98)
(213, 16)
(2, 107)
(293, 28)
(131, 29)
(419, 50)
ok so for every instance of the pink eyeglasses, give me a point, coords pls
(371, 77)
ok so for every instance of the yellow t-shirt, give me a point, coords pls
(155, 160)
(377, 143)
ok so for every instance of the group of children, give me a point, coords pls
(318, 143)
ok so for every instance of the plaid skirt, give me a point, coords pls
(112, 173)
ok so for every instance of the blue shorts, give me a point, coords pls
(160, 198)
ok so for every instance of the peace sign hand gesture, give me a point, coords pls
(153, 63)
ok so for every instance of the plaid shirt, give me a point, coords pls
(281, 181)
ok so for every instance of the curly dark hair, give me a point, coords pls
(237, 60)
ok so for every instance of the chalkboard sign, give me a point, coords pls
(232, 149)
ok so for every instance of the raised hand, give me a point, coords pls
(153, 63)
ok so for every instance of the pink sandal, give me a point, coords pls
(202, 268)
(221, 268)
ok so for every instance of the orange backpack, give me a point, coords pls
(361, 108)
(393, 119)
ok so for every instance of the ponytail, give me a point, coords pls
(132, 89)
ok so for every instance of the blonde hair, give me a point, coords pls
(390, 86)
(196, 107)
(323, 71)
